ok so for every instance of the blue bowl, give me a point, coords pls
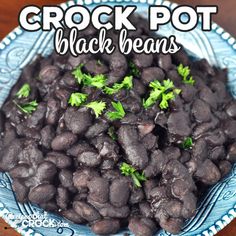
(217, 208)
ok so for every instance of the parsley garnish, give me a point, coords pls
(97, 107)
(187, 143)
(118, 114)
(98, 81)
(134, 69)
(111, 133)
(127, 83)
(78, 74)
(184, 72)
(161, 92)
(24, 91)
(27, 108)
(129, 170)
(76, 99)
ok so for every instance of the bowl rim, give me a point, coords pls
(228, 216)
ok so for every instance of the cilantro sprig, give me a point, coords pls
(77, 99)
(184, 72)
(127, 83)
(97, 106)
(27, 108)
(161, 92)
(98, 81)
(78, 74)
(24, 91)
(119, 112)
(129, 170)
(187, 143)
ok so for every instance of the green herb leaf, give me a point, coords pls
(78, 74)
(184, 72)
(161, 92)
(134, 69)
(98, 81)
(76, 99)
(129, 170)
(118, 114)
(127, 83)
(111, 133)
(187, 143)
(97, 107)
(27, 108)
(24, 91)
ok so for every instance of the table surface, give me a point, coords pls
(9, 20)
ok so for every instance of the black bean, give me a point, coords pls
(164, 61)
(205, 176)
(59, 159)
(47, 135)
(180, 187)
(97, 129)
(138, 87)
(174, 208)
(42, 193)
(46, 171)
(231, 110)
(81, 178)
(217, 153)
(9, 155)
(96, 68)
(135, 151)
(172, 225)
(152, 73)
(86, 211)
(48, 74)
(63, 95)
(209, 97)
(78, 121)
(200, 149)
(89, 158)
(115, 212)
(136, 196)
(66, 178)
(63, 141)
(188, 92)
(229, 127)
(232, 153)
(21, 190)
(22, 171)
(119, 192)
(62, 198)
(143, 60)
(156, 164)
(179, 124)
(106, 227)
(145, 209)
(201, 111)
(139, 228)
(53, 111)
(148, 186)
(99, 190)
(150, 141)
(118, 64)
(189, 205)
(225, 167)
(71, 215)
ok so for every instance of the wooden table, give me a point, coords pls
(9, 19)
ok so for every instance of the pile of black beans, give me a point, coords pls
(63, 159)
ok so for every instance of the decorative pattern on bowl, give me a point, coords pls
(216, 209)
